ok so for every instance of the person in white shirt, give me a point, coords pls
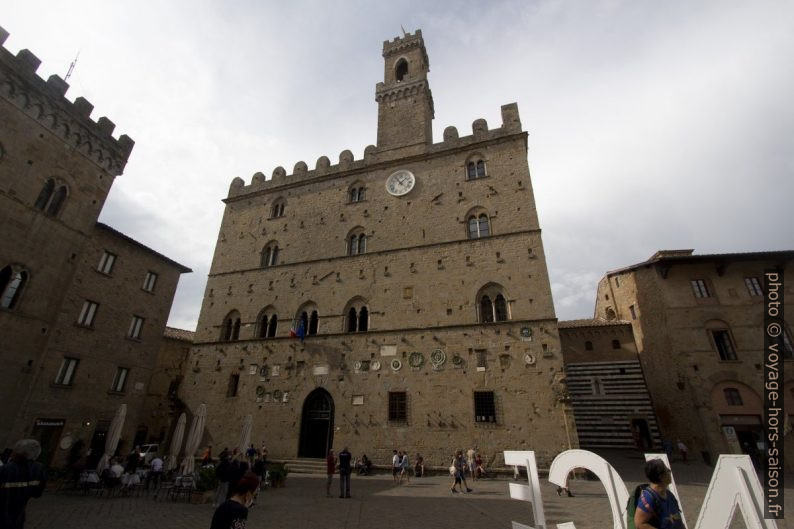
(155, 473)
(116, 470)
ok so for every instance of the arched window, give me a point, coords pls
(733, 397)
(268, 323)
(475, 168)
(492, 304)
(401, 70)
(356, 241)
(230, 330)
(479, 226)
(278, 208)
(51, 199)
(11, 284)
(309, 318)
(270, 254)
(356, 316)
(357, 193)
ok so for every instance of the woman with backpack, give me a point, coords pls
(657, 507)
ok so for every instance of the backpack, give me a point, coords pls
(631, 506)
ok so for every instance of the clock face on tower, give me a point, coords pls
(400, 182)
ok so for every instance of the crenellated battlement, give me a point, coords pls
(511, 125)
(45, 102)
(401, 44)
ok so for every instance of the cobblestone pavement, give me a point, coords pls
(425, 503)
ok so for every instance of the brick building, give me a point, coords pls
(82, 307)
(606, 383)
(698, 325)
(418, 277)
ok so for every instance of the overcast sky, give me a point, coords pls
(652, 124)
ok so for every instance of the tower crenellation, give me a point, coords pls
(45, 102)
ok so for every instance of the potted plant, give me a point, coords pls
(206, 483)
(278, 474)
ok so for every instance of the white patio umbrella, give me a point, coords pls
(193, 439)
(112, 439)
(245, 434)
(176, 442)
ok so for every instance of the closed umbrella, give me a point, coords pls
(245, 434)
(193, 439)
(112, 439)
(176, 442)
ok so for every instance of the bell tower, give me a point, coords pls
(405, 103)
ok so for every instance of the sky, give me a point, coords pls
(652, 125)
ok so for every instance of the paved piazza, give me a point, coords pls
(376, 503)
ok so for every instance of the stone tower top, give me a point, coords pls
(405, 102)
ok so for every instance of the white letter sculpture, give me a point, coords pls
(530, 492)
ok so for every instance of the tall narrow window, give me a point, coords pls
(352, 320)
(484, 406)
(278, 208)
(120, 380)
(398, 409)
(500, 308)
(724, 344)
(633, 312)
(401, 70)
(699, 288)
(57, 201)
(11, 284)
(314, 323)
(226, 333)
(753, 286)
(304, 321)
(234, 381)
(106, 263)
(480, 169)
(65, 375)
(272, 326)
(471, 171)
(486, 310)
(236, 329)
(362, 244)
(136, 326)
(356, 241)
(149, 281)
(474, 228)
(363, 319)
(483, 226)
(88, 314)
(45, 194)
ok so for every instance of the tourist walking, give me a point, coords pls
(460, 472)
(223, 472)
(345, 457)
(470, 462)
(657, 507)
(330, 468)
(395, 465)
(21, 478)
(233, 513)
(405, 467)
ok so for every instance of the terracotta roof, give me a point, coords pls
(179, 334)
(686, 257)
(590, 322)
(182, 268)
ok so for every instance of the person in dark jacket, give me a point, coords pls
(21, 478)
(344, 458)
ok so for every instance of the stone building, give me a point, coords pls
(611, 403)
(698, 325)
(417, 279)
(82, 306)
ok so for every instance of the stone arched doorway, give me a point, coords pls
(317, 424)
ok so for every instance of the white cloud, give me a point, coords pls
(652, 125)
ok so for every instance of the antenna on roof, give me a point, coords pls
(404, 33)
(71, 67)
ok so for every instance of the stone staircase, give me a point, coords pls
(304, 466)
